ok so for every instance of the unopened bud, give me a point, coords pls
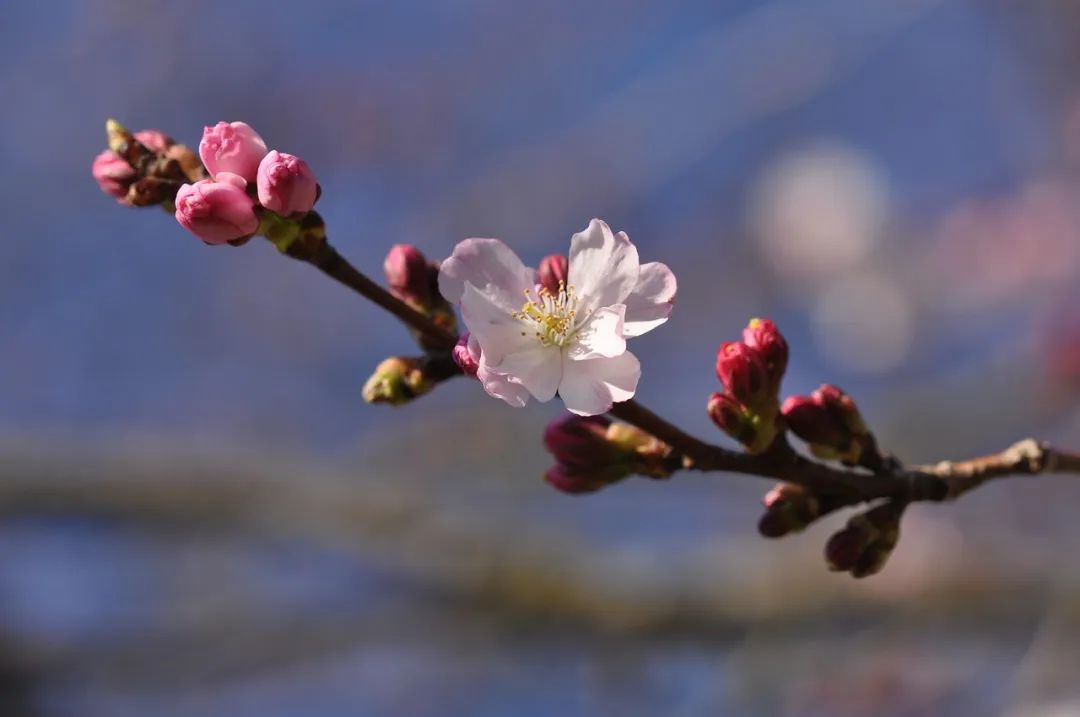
(762, 336)
(397, 380)
(217, 210)
(113, 174)
(863, 547)
(580, 440)
(743, 374)
(232, 147)
(155, 140)
(647, 454)
(592, 452)
(830, 423)
(842, 406)
(755, 431)
(552, 273)
(789, 508)
(730, 416)
(139, 170)
(408, 275)
(576, 480)
(285, 184)
(466, 354)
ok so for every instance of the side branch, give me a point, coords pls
(946, 480)
(1027, 457)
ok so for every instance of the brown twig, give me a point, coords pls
(319, 253)
(1026, 457)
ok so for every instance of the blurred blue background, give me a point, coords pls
(202, 517)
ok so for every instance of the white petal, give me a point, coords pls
(589, 388)
(538, 368)
(649, 304)
(490, 266)
(602, 335)
(497, 332)
(502, 386)
(603, 266)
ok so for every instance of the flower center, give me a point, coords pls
(552, 316)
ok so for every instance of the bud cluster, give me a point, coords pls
(751, 371)
(830, 423)
(863, 547)
(144, 168)
(592, 452)
(238, 189)
(415, 280)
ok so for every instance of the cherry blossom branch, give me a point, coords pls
(258, 192)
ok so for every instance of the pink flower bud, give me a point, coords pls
(286, 184)
(553, 272)
(113, 174)
(743, 373)
(217, 210)
(155, 140)
(467, 357)
(408, 275)
(232, 147)
(762, 336)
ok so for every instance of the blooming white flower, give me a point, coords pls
(535, 341)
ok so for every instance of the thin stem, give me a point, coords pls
(327, 259)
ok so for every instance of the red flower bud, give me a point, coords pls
(743, 373)
(755, 431)
(813, 423)
(408, 274)
(730, 417)
(842, 407)
(552, 272)
(580, 441)
(829, 421)
(763, 336)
